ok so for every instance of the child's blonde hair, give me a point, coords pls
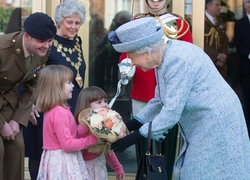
(86, 97)
(51, 80)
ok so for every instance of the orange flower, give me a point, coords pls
(108, 124)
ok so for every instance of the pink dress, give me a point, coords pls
(61, 158)
(96, 163)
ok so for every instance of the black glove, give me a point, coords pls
(121, 144)
(133, 124)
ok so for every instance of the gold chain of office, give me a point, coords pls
(64, 50)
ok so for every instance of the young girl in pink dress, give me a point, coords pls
(94, 97)
(61, 158)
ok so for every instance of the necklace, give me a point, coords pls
(64, 50)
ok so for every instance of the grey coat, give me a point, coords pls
(191, 92)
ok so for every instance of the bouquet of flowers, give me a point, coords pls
(106, 124)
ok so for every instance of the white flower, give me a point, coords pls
(117, 128)
(114, 120)
(95, 120)
(110, 114)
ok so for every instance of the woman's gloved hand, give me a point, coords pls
(122, 144)
(133, 124)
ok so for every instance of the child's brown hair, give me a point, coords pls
(86, 97)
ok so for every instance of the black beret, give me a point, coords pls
(40, 26)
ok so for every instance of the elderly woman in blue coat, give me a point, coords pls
(190, 92)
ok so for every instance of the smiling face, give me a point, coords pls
(69, 27)
(36, 46)
(156, 5)
(143, 61)
(68, 88)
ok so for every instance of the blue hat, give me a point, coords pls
(136, 34)
(40, 26)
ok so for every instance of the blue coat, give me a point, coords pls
(191, 92)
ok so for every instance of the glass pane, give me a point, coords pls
(230, 11)
(103, 59)
(105, 16)
(12, 15)
(189, 11)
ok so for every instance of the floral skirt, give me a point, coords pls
(60, 165)
(97, 168)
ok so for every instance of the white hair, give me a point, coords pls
(150, 48)
(67, 8)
